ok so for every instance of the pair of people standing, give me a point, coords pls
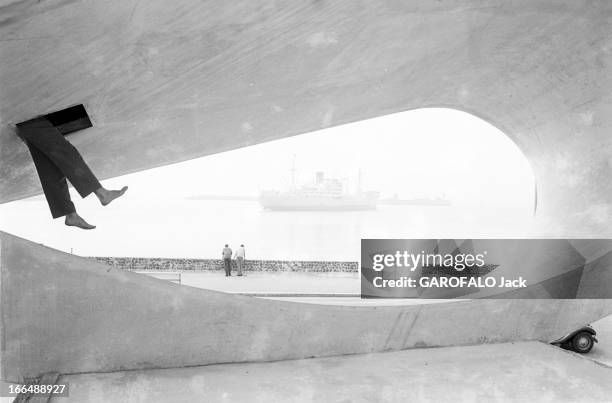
(239, 255)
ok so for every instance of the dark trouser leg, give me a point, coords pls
(53, 183)
(228, 266)
(40, 134)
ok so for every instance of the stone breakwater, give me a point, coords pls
(162, 264)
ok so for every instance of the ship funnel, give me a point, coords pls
(320, 177)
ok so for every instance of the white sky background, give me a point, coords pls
(427, 152)
(422, 153)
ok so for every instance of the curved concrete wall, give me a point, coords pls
(168, 81)
(68, 314)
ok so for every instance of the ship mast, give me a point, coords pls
(293, 173)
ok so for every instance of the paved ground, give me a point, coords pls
(276, 282)
(525, 372)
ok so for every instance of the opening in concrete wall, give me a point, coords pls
(428, 173)
(68, 120)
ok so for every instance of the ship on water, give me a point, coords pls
(324, 194)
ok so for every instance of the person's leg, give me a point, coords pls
(55, 189)
(46, 138)
(53, 183)
(239, 264)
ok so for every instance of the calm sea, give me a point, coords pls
(200, 228)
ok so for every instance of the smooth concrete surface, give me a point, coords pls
(602, 351)
(275, 282)
(522, 372)
(62, 313)
(169, 81)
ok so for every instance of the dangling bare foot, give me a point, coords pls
(107, 196)
(75, 220)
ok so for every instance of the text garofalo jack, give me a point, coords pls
(445, 271)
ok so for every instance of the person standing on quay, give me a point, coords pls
(227, 260)
(240, 255)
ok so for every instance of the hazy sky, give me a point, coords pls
(427, 152)
(422, 153)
